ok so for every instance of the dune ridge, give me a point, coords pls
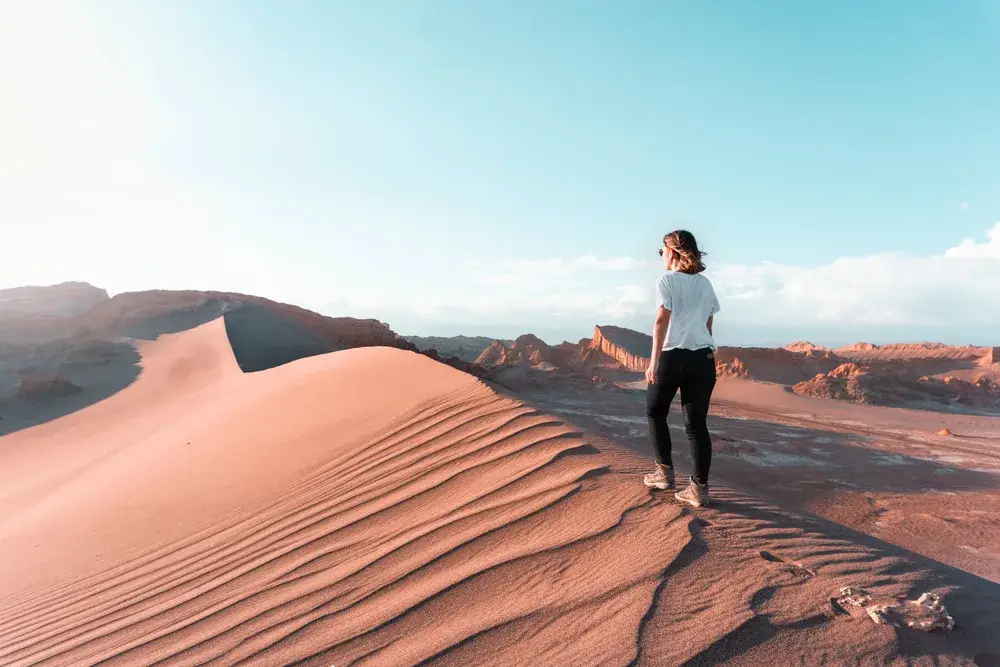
(374, 507)
(88, 353)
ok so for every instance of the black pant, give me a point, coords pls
(693, 372)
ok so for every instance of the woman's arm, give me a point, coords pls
(660, 325)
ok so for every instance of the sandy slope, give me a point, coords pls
(374, 507)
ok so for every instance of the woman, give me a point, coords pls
(683, 357)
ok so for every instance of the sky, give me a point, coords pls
(494, 168)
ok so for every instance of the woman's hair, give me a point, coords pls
(682, 243)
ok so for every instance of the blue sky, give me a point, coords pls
(499, 167)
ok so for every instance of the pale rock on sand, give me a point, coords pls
(854, 597)
(927, 613)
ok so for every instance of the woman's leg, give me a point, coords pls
(658, 398)
(696, 394)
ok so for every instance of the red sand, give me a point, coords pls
(373, 507)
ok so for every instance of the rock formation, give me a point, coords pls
(734, 368)
(777, 365)
(892, 383)
(846, 382)
(629, 348)
(858, 347)
(493, 356)
(526, 351)
(803, 346)
(922, 375)
(909, 351)
(610, 348)
(900, 375)
(926, 613)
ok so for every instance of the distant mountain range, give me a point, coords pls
(924, 375)
(49, 335)
(466, 348)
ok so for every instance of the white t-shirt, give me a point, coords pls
(691, 300)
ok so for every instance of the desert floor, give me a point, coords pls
(373, 507)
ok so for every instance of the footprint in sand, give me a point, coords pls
(793, 568)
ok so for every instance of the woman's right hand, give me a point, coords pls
(651, 374)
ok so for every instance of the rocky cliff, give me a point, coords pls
(803, 346)
(527, 350)
(629, 348)
(779, 365)
(909, 351)
(880, 383)
(493, 356)
(733, 368)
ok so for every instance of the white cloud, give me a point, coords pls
(959, 286)
(964, 205)
(970, 248)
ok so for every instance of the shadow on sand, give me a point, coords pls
(96, 364)
(262, 339)
(106, 362)
(95, 371)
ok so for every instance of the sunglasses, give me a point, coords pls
(661, 252)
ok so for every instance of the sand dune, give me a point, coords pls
(76, 360)
(374, 507)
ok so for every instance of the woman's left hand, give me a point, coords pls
(651, 374)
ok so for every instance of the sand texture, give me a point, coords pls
(374, 507)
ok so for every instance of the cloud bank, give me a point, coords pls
(949, 292)
(961, 286)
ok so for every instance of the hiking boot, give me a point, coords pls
(695, 494)
(663, 478)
